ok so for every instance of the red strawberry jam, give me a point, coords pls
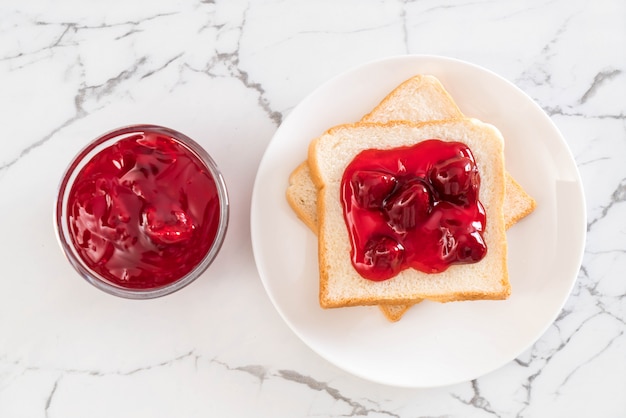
(144, 211)
(414, 206)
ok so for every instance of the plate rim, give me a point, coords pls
(259, 262)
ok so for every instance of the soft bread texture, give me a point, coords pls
(419, 98)
(302, 197)
(517, 203)
(423, 98)
(340, 284)
(394, 313)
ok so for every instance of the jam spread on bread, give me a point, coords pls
(144, 211)
(415, 207)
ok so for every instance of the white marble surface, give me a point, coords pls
(227, 73)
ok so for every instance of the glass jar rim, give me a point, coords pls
(83, 157)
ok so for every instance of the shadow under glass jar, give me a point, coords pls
(142, 211)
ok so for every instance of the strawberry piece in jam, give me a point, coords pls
(415, 207)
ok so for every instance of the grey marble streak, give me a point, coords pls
(595, 312)
(357, 407)
(90, 98)
(589, 303)
(478, 404)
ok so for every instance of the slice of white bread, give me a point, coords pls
(394, 313)
(340, 283)
(417, 99)
(423, 98)
(302, 197)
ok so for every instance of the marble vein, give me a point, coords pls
(165, 363)
(477, 400)
(93, 373)
(231, 61)
(528, 388)
(588, 361)
(548, 50)
(78, 26)
(358, 409)
(262, 373)
(162, 67)
(88, 98)
(542, 359)
(69, 31)
(539, 74)
(81, 97)
(600, 79)
(405, 26)
(100, 373)
(577, 82)
(6, 165)
(618, 196)
(51, 396)
(559, 111)
(256, 370)
(84, 92)
(452, 6)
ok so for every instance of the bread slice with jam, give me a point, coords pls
(420, 98)
(341, 284)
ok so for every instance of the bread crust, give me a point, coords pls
(418, 99)
(406, 101)
(518, 203)
(301, 196)
(333, 244)
(300, 193)
(394, 313)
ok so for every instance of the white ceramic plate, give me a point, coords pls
(434, 344)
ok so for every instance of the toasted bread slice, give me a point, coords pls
(340, 283)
